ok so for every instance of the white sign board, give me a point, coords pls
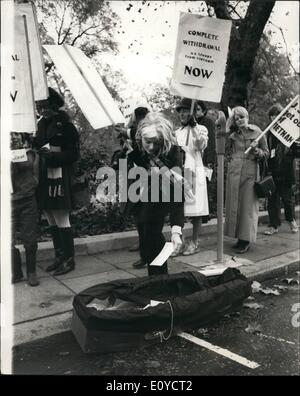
(200, 57)
(40, 87)
(21, 94)
(286, 127)
(86, 85)
(19, 155)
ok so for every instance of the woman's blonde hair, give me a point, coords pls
(231, 124)
(163, 127)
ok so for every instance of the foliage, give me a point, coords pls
(273, 81)
(88, 24)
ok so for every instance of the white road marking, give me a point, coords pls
(277, 339)
(220, 351)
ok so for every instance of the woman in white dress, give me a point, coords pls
(193, 139)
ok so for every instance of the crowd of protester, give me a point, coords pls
(43, 182)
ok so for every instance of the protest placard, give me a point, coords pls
(40, 87)
(286, 126)
(21, 93)
(200, 57)
(86, 85)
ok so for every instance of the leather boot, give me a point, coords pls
(30, 253)
(16, 266)
(54, 230)
(68, 263)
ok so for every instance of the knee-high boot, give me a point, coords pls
(30, 252)
(58, 250)
(16, 266)
(67, 240)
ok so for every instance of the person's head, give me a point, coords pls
(140, 113)
(274, 111)
(155, 134)
(240, 117)
(48, 108)
(183, 109)
(200, 109)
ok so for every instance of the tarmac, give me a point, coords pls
(47, 309)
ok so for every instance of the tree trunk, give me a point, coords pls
(244, 43)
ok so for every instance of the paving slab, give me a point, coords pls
(81, 283)
(201, 259)
(49, 298)
(85, 265)
(118, 257)
(40, 328)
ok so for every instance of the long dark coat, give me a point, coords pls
(62, 136)
(242, 204)
(152, 211)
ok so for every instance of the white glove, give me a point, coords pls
(177, 242)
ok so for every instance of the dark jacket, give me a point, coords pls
(24, 177)
(209, 155)
(63, 139)
(152, 211)
(282, 165)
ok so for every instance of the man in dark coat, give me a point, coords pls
(282, 167)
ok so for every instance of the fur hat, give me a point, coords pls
(55, 99)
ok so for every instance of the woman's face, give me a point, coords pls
(45, 110)
(151, 141)
(184, 115)
(241, 120)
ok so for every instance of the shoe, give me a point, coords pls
(271, 231)
(139, 264)
(57, 262)
(65, 267)
(244, 249)
(17, 279)
(134, 248)
(237, 245)
(294, 226)
(192, 248)
(32, 279)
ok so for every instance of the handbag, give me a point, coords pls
(266, 185)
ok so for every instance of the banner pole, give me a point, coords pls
(30, 70)
(273, 122)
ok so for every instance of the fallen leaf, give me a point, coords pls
(256, 286)
(152, 364)
(280, 287)
(291, 281)
(253, 328)
(253, 305)
(64, 353)
(203, 332)
(268, 291)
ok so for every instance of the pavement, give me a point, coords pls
(47, 309)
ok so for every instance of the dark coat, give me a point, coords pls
(209, 154)
(282, 165)
(153, 211)
(63, 139)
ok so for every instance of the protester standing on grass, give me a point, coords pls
(24, 211)
(282, 167)
(156, 149)
(193, 139)
(58, 143)
(242, 204)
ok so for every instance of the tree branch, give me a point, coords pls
(85, 32)
(286, 48)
